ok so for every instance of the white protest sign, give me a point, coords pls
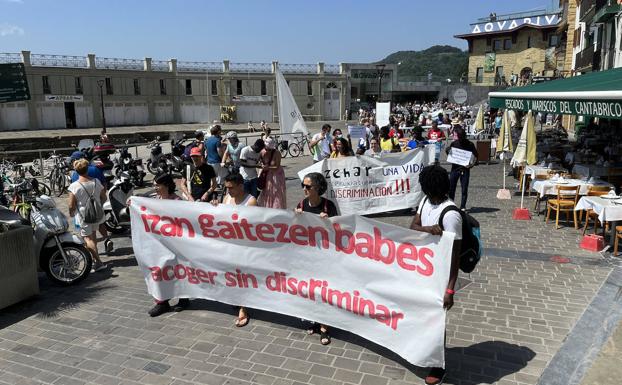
(357, 132)
(383, 111)
(385, 283)
(365, 185)
(460, 157)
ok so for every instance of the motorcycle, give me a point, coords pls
(155, 156)
(99, 155)
(116, 212)
(62, 255)
(134, 167)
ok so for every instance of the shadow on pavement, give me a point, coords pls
(54, 300)
(482, 210)
(485, 362)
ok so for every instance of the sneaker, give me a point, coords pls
(108, 245)
(159, 309)
(98, 266)
(182, 304)
(435, 377)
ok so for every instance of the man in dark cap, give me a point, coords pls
(249, 161)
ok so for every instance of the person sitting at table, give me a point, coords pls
(570, 159)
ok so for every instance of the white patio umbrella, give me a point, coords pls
(504, 146)
(526, 149)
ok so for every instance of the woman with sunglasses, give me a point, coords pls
(314, 186)
(234, 183)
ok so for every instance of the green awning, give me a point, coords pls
(593, 94)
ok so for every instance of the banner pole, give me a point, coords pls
(522, 195)
(504, 171)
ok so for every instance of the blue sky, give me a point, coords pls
(242, 30)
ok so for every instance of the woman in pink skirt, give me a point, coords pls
(273, 194)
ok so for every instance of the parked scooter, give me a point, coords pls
(62, 255)
(155, 156)
(134, 167)
(99, 155)
(116, 211)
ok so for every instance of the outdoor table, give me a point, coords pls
(535, 170)
(590, 170)
(608, 210)
(549, 187)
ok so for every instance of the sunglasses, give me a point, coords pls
(306, 186)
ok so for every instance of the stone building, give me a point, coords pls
(68, 91)
(520, 44)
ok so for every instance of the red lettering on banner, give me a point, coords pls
(264, 229)
(206, 221)
(378, 243)
(424, 253)
(292, 284)
(365, 249)
(281, 237)
(313, 231)
(348, 248)
(299, 235)
(227, 231)
(170, 227)
(181, 272)
(407, 251)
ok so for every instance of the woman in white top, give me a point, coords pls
(80, 192)
(237, 196)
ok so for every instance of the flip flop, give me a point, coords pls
(241, 322)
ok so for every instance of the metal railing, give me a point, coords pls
(10, 57)
(332, 69)
(586, 7)
(160, 65)
(119, 64)
(585, 58)
(298, 68)
(70, 61)
(517, 15)
(199, 66)
(265, 68)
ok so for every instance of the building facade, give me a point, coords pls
(597, 44)
(68, 91)
(520, 44)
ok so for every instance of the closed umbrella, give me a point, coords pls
(479, 120)
(504, 146)
(525, 155)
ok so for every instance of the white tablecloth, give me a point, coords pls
(590, 170)
(533, 171)
(549, 187)
(608, 210)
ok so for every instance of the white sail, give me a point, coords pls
(290, 118)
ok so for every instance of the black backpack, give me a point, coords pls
(470, 247)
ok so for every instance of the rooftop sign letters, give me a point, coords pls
(511, 24)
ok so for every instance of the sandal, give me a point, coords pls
(324, 337)
(241, 322)
(312, 329)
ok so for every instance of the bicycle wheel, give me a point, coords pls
(282, 149)
(294, 150)
(44, 189)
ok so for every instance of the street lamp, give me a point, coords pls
(100, 83)
(380, 69)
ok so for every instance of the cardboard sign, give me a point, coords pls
(357, 132)
(460, 157)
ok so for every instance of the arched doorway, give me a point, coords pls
(331, 102)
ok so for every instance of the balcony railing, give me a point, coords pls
(119, 64)
(298, 68)
(585, 58)
(331, 69)
(586, 9)
(199, 66)
(262, 68)
(10, 58)
(160, 65)
(39, 60)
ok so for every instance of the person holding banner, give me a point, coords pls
(236, 195)
(434, 182)
(314, 186)
(321, 142)
(461, 171)
(202, 179)
(342, 148)
(388, 143)
(374, 148)
(273, 194)
(164, 187)
(249, 161)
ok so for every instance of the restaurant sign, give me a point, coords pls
(600, 108)
(508, 25)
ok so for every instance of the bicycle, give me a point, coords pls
(59, 178)
(281, 145)
(297, 148)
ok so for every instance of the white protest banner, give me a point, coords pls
(365, 185)
(357, 132)
(383, 111)
(380, 281)
(460, 157)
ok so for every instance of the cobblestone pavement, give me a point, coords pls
(512, 316)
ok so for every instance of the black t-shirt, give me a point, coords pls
(466, 145)
(201, 180)
(326, 206)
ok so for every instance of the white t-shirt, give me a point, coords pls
(251, 157)
(323, 145)
(430, 214)
(82, 195)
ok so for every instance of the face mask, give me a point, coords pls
(339, 136)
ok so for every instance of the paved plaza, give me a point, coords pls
(537, 309)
